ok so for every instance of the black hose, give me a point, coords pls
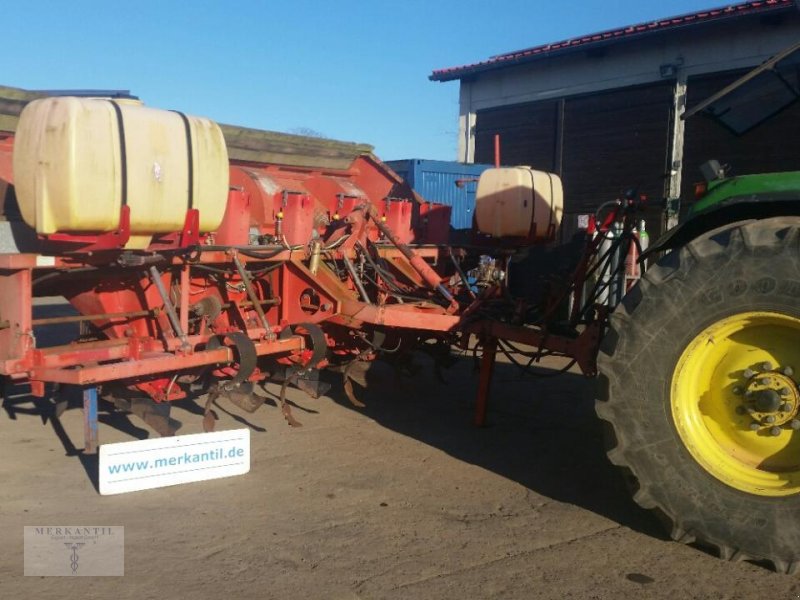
(260, 255)
(515, 350)
(526, 368)
(211, 269)
(382, 272)
(56, 274)
(249, 251)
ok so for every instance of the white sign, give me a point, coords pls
(74, 551)
(159, 462)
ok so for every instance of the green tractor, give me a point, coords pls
(700, 367)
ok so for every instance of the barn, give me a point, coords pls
(604, 110)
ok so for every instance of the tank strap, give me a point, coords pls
(123, 155)
(187, 126)
(552, 198)
(533, 201)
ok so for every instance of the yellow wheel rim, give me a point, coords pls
(735, 402)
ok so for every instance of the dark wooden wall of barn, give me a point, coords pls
(601, 144)
(604, 143)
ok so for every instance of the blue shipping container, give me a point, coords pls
(435, 180)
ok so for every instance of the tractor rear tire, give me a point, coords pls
(698, 384)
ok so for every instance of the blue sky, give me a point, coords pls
(350, 70)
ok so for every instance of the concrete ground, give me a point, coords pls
(402, 499)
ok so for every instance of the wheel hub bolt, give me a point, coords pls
(769, 419)
(756, 426)
(775, 431)
(748, 373)
(784, 391)
(788, 371)
(794, 424)
(768, 400)
(766, 366)
(785, 407)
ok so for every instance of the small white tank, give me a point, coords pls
(77, 160)
(519, 202)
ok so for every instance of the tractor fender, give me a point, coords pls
(731, 210)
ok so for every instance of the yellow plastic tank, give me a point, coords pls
(519, 202)
(78, 160)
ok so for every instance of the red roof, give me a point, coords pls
(613, 35)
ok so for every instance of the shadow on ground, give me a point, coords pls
(541, 431)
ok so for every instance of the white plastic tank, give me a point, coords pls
(78, 160)
(519, 202)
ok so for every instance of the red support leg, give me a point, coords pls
(485, 384)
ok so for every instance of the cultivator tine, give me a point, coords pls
(209, 416)
(347, 376)
(155, 415)
(243, 397)
(309, 382)
(209, 421)
(59, 402)
(286, 409)
(349, 392)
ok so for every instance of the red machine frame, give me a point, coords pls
(288, 261)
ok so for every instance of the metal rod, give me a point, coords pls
(97, 317)
(173, 316)
(248, 303)
(184, 308)
(313, 263)
(461, 274)
(127, 315)
(417, 262)
(257, 248)
(251, 293)
(348, 264)
(90, 420)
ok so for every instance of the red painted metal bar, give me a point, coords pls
(397, 315)
(174, 319)
(431, 277)
(485, 383)
(161, 363)
(183, 312)
(251, 293)
(582, 348)
(17, 340)
(99, 317)
(75, 354)
(129, 368)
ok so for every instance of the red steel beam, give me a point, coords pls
(156, 364)
(582, 348)
(396, 315)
